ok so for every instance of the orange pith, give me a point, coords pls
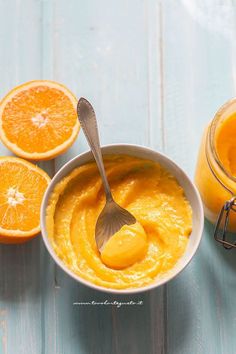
(21, 191)
(38, 120)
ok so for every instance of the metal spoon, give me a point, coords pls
(112, 216)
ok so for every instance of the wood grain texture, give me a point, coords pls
(198, 69)
(114, 62)
(20, 295)
(155, 71)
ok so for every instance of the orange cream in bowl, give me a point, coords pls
(138, 256)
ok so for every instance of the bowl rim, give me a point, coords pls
(83, 281)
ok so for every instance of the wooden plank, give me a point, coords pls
(109, 54)
(20, 304)
(198, 78)
(21, 287)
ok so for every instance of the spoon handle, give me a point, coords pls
(88, 122)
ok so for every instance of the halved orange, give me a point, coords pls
(22, 186)
(38, 120)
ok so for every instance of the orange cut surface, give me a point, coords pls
(38, 120)
(22, 186)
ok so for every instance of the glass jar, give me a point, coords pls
(217, 186)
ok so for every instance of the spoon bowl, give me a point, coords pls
(111, 220)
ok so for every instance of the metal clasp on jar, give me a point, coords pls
(220, 233)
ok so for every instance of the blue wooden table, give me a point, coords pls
(156, 72)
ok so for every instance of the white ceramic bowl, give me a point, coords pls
(145, 153)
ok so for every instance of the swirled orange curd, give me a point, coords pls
(226, 144)
(137, 253)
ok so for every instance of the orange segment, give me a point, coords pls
(21, 191)
(38, 120)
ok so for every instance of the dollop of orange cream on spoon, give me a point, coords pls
(125, 247)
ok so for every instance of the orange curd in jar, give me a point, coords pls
(215, 174)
